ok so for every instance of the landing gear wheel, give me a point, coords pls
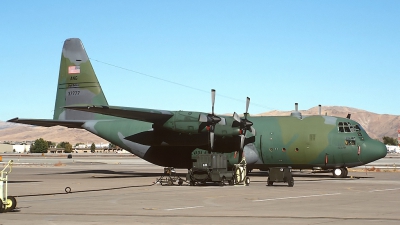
(1, 206)
(11, 203)
(192, 183)
(180, 182)
(291, 182)
(247, 181)
(346, 172)
(170, 182)
(270, 183)
(222, 183)
(231, 182)
(337, 173)
(340, 173)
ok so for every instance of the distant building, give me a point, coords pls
(16, 148)
(393, 149)
(6, 148)
(21, 148)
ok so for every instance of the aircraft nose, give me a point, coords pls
(374, 150)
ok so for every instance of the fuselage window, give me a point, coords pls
(350, 141)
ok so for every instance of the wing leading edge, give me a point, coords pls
(49, 123)
(145, 115)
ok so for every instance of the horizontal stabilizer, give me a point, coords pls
(49, 123)
(145, 115)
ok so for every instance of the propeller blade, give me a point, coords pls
(242, 137)
(253, 131)
(212, 140)
(212, 99)
(247, 104)
(236, 117)
(202, 126)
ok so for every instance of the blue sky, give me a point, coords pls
(344, 53)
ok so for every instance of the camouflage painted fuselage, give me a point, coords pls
(172, 138)
(313, 141)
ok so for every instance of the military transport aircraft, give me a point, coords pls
(172, 138)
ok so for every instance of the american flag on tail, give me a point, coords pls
(74, 69)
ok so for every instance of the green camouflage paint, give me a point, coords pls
(173, 138)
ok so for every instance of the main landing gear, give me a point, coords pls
(340, 172)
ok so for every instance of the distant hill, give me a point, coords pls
(376, 125)
(21, 132)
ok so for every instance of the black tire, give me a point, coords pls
(192, 183)
(270, 183)
(291, 182)
(222, 183)
(247, 181)
(180, 182)
(11, 204)
(1, 206)
(231, 182)
(346, 172)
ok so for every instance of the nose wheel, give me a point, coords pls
(340, 172)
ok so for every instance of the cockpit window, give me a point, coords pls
(347, 127)
(358, 127)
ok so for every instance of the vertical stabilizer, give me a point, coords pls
(77, 83)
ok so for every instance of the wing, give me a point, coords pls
(49, 123)
(145, 115)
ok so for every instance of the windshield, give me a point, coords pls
(347, 127)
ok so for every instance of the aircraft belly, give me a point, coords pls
(136, 148)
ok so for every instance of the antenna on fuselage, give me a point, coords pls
(319, 109)
(296, 112)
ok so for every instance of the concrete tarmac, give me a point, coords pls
(121, 190)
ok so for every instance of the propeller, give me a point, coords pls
(210, 120)
(243, 124)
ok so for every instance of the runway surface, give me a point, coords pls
(121, 190)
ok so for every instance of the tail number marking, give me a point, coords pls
(73, 93)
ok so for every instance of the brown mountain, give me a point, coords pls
(20, 132)
(376, 125)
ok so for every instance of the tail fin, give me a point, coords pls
(77, 83)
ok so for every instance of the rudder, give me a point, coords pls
(77, 83)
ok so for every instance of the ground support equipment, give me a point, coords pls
(280, 174)
(169, 177)
(240, 173)
(7, 203)
(210, 168)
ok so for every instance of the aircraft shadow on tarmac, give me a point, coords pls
(317, 176)
(102, 174)
(23, 181)
(107, 174)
